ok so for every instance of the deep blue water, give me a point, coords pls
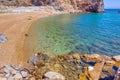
(83, 33)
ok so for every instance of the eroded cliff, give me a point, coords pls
(83, 5)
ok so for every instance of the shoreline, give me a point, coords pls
(12, 50)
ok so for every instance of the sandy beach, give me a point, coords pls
(14, 26)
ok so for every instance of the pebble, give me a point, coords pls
(54, 76)
(24, 74)
(3, 78)
(18, 76)
(7, 75)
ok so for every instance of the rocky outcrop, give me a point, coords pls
(83, 5)
(70, 5)
(65, 67)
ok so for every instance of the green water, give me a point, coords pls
(82, 33)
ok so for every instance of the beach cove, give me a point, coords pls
(16, 64)
(14, 26)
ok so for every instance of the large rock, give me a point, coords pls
(116, 58)
(96, 71)
(54, 76)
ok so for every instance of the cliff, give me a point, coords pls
(82, 5)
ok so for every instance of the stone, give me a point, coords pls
(116, 58)
(10, 78)
(24, 74)
(34, 59)
(117, 75)
(7, 75)
(18, 76)
(32, 78)
(3, 78)
(90, 68)
(76, 56)
(96, 72)
(65, 66)
(54, 76)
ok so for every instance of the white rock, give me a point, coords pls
(7, 75)
(54, 75)
(18, 76)
(10, 78)
(6, 70)
(24, 73)
(117, 58)
(90, 68)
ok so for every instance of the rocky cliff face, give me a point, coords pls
(83, 5)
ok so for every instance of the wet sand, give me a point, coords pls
(14, 27)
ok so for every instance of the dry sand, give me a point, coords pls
(14, 27)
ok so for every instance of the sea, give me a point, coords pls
(84, 33)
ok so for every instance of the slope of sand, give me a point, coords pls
(14, 27)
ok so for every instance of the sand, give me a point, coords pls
(14, 27)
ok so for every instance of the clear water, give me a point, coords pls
(84, 33)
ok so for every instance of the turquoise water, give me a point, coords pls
(83, 33)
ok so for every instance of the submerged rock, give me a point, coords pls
(54, 76)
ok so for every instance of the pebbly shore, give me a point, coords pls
(73, 66)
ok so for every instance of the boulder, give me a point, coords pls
(116, 58)
(54, 76)
(18, 76)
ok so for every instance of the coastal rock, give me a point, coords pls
(24, 74)
(54, 76)
(96, 72)
(116, 58)
(18, 76)
(37, 59)
(117, 75)
(90, 68)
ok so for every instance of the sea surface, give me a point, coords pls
(86, 33)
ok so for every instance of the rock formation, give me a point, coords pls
(73, 66)
(70, 5)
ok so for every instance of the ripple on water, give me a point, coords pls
(83, 33)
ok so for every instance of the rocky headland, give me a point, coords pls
(69, 5)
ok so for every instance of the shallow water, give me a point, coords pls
(84, 33)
